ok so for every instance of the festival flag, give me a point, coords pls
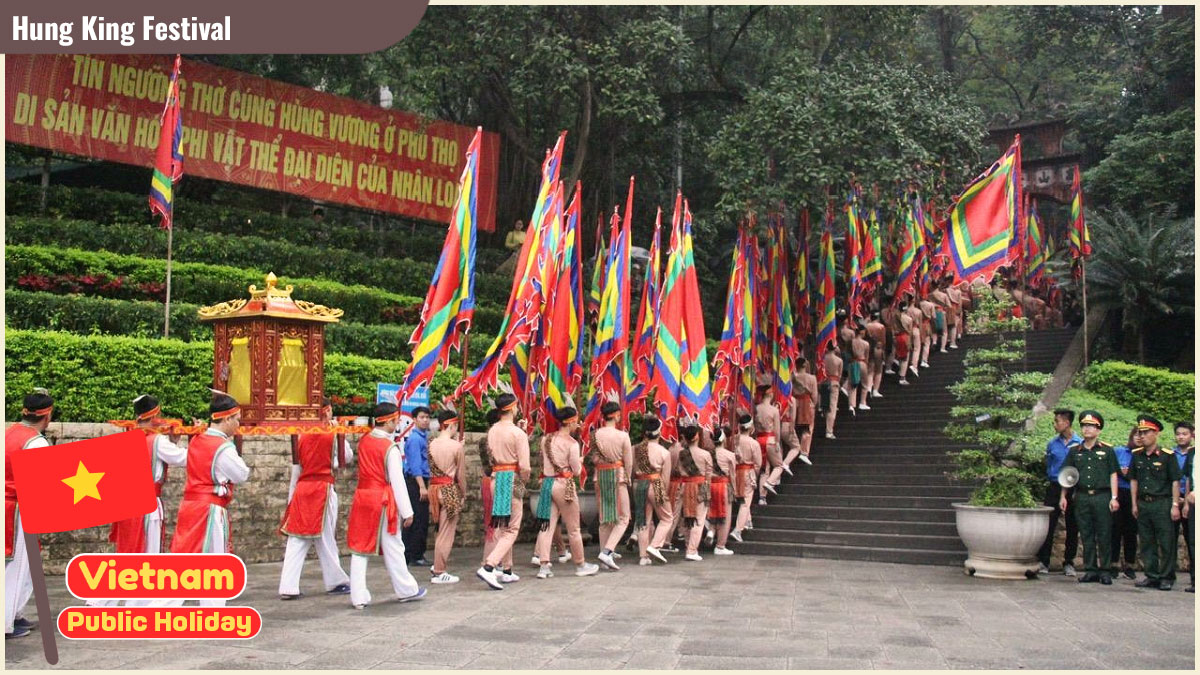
(734, 352)
(593, 301)
(564, 326)
(522, 315)
(984, 219)
(921, 243)
(643, 346)
(450, 302)
(696, 393)
(872, 265)
(852, 252)
(906, 256)
(826, 293)
(1035, 250)
(803, 307)
(783, 343)
(168, 159)
(1079, 239)
(608, 377)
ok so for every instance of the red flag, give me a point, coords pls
(85, 483)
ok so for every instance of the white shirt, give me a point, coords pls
(228, 467)
(394, 464)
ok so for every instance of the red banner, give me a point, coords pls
(248, 130)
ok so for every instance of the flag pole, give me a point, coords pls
(1086, 346)
(38, 577)
(462, 418)
(167, 306)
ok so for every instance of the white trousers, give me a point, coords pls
(327, 554)
(18, 585)
(403, 583)
(153, 525)
(216, 541)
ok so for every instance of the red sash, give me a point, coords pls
(192, 525)
(374, 503)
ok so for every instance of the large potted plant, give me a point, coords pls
(1002, 525)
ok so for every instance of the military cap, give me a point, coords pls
(1148, 423)
(1091, 417)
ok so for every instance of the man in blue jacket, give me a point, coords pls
(416, 479)
(1056, 454)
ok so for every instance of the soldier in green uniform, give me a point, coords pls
(1095, 496)
(1154, 484)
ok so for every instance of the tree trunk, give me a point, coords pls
(1141, 346)
(585, 127)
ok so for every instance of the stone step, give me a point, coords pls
(863, 539)
(881, 479)
(771, 522)
(900, 490)
(926, 459)
(865, 553)
(924, 515)
(867, 498)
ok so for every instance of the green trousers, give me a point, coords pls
(1156, 538)
(1095, 523)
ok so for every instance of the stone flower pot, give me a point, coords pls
(1002, 543)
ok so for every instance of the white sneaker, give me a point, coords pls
(645, 562)
(1069, 570)
(830, 436)
(805, 459)
(489, 578)
(762, 501)
(507, 577)
(770, 488)
(876, 394)
(415, 596)
(444, 578)
(736, 536)
(953, 346)
(787, 468)
(616, 556)
(749, 525)
(863, 406)
(535, 561)
(903, 383)
(545, 572)
(721, 550)
(606, 559)
(890, 371)
(914, 371)
(924, 364)
(566, 556)
(656, 553)
(586, 569)
(694, 556)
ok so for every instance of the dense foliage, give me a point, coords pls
(1169, 396)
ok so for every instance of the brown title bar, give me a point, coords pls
(213, 27)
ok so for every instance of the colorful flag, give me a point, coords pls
(735, 350)
(522, 315)
(803, 308)
(1035, 250)
(564, 325)
(450, 302)
(985, 217)
(608, 377)
(643, 346)
(906, 256)
(696, 393)
(783, 342)
(827, 292)
(593, 303)
(168, 159)
(83, 484)
(1079, 239)
(872, 265)
(852, 252)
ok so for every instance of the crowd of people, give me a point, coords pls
(666, 497)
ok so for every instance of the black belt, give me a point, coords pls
(1152, 498)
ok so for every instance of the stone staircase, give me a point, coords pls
(880, 491)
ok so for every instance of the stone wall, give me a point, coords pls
(258, 505)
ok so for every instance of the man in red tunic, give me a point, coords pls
(213, 468)
(311, 514)
(18, 586)
(144, 534)
(380, 507)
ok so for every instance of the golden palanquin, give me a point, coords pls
(269, 354)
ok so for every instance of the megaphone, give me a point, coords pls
(1068, 476)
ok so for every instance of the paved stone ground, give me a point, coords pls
(743, 612)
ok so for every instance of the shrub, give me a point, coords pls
(993, 387)
(1167, 395)
(95, 378)
(88, 315)
(1118, 420)
(399, 275)
(108, 207)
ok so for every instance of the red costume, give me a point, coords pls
(200, 494)
(16, 438)
(374, 502)
(305, 513)
(130, 535)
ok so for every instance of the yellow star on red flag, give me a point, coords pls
(84, 483)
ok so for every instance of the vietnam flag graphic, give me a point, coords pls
(85, 483)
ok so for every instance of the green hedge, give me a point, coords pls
(95, 378)
(398, 275)
(1118, 420)
(32, 310)
(1167, 395)
(105, 206)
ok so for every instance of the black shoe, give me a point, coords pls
(1106, 579)
(421, 562)
(1147, 583)
(1166, 585)
(290, 596)
(1190, 589)
(340, 589)
(24, 623)
(1089, 578)
(17, 632)
(1129, 573)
